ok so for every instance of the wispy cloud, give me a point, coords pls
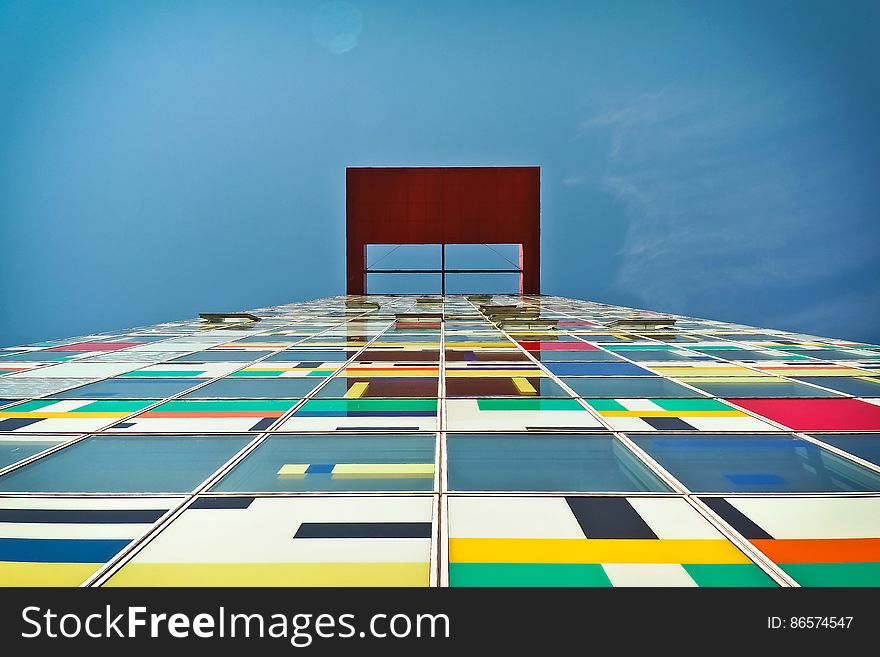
(724, 198)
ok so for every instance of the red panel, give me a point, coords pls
(816, 414)
(558, 346)
(452, 205)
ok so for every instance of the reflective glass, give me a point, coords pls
(256, 388)
(864, 445)
(613, 386)
(499, 386)
(858, 386)
(221, 356)
(129, 388)
(126, 464)
(352, 387)
(335, 463)
(555, 355)
(756, 387)
(17, 448)
(550, 462)
(755, 463)
(309, 356)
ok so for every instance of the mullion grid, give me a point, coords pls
(439, 543)
(680, 490)
(110, 567)
(780, 428)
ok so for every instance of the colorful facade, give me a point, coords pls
(441, 441)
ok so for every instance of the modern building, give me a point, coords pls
(441, 439)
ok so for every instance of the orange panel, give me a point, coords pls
(820, 550)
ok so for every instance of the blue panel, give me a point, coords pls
(551, 462)
(126, 464)
(780, 463)
(243, 387)
(597, 369)
(864, 445)
(258, 472)
(60, 550)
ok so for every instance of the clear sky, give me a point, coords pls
(717, 159)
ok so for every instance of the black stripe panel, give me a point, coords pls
(668, 423)
(222, 503)
(608, 517)
(735, 518)
(82, 516)
(263, 424)
(364, 530)
(13, 423)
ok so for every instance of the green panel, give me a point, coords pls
(529, 405)
(733, 574)
(527, 574)
(834, 574)
(247, 375)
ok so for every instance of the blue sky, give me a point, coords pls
(717, 159)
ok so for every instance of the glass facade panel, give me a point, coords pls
(15, 448)
(126, 464)
(762, 463)
(508, 462)
(335, 463)
(371, 428)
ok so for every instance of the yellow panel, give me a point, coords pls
(47, 415)
(357, 390)
(358, 470)
(575, 550)
(16, 573)
(523, 386)
(293, 471)
(272, 574)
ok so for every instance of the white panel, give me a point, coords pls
(816, 517)
(673, 518)
(638, 404)
(88, 502)
(264, 532)
(735, 423)
(512, 517)
(77, 530)
(647, 574)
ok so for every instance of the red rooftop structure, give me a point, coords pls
(443, 205)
